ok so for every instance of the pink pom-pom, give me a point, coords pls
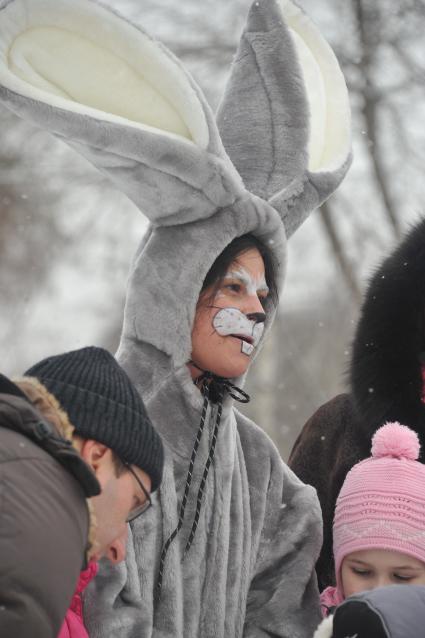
(396, 441)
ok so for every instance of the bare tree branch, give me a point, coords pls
(365, 21)
(338, 252)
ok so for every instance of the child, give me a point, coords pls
(379, 523)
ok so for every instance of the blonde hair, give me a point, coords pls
(46, 404)
(49, 408)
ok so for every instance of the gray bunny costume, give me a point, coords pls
(280, 146)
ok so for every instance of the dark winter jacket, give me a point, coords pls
(397, 611)
(44, 519)
(385, 383)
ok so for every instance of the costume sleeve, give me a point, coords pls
(283, 599)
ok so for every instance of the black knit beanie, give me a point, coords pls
(103, 404)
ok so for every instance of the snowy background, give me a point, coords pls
(67, 237)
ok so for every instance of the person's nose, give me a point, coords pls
(117, 549)
(381, 581)
(254, 309)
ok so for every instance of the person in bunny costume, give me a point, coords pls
(230, 545)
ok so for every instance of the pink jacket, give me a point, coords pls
(330, 597)
(73, 625)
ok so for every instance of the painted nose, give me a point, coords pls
(254, 306)
(258, 317)
(117, 549)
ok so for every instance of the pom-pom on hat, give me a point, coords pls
(395, 441)
(382, 501)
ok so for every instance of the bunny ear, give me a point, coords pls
(121, 99)
(285, 117)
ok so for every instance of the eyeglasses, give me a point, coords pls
(140, 509)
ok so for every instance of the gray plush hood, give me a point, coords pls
(279, 147)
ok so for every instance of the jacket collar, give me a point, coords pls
(19, 415)
(8, 387)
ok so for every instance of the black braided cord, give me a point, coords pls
(221, 386)
(205, 474)
(205, 392)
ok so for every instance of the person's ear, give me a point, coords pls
(95, 454)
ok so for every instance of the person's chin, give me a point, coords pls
(227, 360)
(236, 367)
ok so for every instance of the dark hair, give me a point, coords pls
(231, 253)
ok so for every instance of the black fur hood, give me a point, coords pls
(385, 373)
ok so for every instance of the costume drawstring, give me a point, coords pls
(205, 473)
(213, 387)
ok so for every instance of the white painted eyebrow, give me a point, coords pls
(244, 278)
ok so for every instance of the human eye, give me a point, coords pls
(136, 502)
(360, 571)
(402, 578)
(233, 286)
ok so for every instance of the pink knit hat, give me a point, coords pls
(382, 501)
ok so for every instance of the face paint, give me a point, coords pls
(227, 308)
(253, 285)
(231, 321)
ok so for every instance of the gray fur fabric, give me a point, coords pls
(280, 147)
